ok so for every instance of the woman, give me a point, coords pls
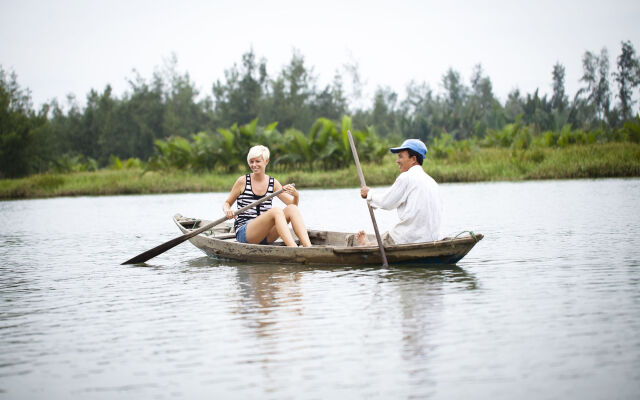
(264, 224)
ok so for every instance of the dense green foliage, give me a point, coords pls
(324, 147)
(165, 123)
(23, 144)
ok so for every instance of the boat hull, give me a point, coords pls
(328, 248)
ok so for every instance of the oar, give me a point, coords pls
(149, 254)
(373, 217)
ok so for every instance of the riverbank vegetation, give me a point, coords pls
(462, 164)
(163, 136)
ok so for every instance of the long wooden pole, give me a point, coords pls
(149, 254)
(363, 184)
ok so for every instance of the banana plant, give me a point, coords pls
(299, 144)
(204, 155)
(325, 146)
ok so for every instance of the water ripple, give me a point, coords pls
(547, 306)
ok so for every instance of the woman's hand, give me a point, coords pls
(228, 212)
(364, 191)
(291, 190)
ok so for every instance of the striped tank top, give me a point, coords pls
(247, 197)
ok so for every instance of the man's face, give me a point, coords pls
(404, 161)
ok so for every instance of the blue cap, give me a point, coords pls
(411, 144)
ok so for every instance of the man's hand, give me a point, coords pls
(364, 192)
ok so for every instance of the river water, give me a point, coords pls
(547, 306)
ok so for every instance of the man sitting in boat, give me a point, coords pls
(264, 224)
(414, 194)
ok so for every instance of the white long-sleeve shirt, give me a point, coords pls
(417, 198)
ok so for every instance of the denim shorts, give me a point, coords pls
(241, 235)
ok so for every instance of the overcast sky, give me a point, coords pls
(58, 47)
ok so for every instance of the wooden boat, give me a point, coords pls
(328, 248)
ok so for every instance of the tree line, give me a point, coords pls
(164, 119)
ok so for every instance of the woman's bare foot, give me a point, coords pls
(361, 238)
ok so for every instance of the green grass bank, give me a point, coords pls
(482, 164)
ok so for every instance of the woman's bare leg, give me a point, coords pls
(266, 225)
(292, 212)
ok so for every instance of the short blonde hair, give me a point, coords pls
(258, 151)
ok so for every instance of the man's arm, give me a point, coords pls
(388, 200)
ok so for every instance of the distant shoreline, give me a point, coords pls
(480, 165)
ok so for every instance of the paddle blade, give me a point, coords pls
(149, 254)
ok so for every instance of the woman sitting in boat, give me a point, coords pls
(264, 223)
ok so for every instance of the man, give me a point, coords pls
(414, 194)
